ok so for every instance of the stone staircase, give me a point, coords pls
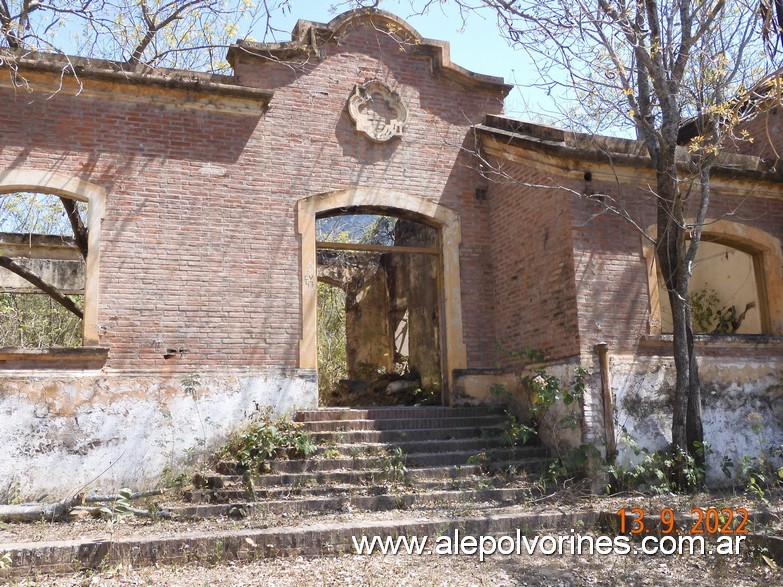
(377, 459)
(391, 471)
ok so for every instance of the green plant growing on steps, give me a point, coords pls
(5, 561)
(266, 441)
(119, 508)
(394, 465)
(517, 433)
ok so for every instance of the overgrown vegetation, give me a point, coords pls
(265, 441)
(332, 362)
(37, 321)
(552, 407)
(670, 470)
(759, 474)
(713, 317)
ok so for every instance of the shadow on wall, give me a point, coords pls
(68, 123)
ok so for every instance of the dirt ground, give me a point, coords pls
(750, 567)
(462, 571)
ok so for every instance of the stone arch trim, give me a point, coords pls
(742, 236)
(444, 219)
(60, 184)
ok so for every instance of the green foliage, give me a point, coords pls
(517, 433)
(663, 471)
(394, 464)
(709, 315)
(37, 321)
(577, 461)
(487, 466)
(268, 440)
(545, 391)
(5, 560)
(175, 479)
(120, 508)
(191, 384)
(761, 473)
(332, 350)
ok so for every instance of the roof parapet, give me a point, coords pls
(524, 135)
(308, 38)
(58, 72)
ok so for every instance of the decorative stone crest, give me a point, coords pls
(377, 111)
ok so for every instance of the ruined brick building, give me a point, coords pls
(204, 194)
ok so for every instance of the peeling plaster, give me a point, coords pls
(734, 393)
(67, 434)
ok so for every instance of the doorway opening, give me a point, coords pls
(378, 310)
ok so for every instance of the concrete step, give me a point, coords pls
(212, 547)
(406, 435)
(400, 412)
(478, 422)
(349, 501)
(228, 488)
(425, 459)
(236, 491)
(472, 444)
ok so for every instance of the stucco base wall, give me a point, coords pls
(64, 433)
(735, 394)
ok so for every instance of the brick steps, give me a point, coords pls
(448, 445)
(406, 434)
(212, 547)
(489, 421)
(347, 499)
(364, 476)
(370, 460)
(417, 459)
(404, 412)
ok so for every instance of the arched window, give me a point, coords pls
(35, 246)
(736, 284)
(41, 270)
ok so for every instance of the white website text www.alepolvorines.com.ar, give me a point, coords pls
(571, 544)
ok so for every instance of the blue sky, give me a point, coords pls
(477, 46)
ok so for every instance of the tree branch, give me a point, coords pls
(47, 288)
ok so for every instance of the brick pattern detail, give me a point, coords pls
(533, 267)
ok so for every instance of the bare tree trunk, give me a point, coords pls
(79, 230)
(687, 432)
(34, 512)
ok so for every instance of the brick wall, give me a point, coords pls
(199, 248)
(533, 267)
(767, 133)
(611, 270)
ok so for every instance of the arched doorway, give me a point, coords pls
(438, 226)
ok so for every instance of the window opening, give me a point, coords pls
(43, 245)
(724, 291)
